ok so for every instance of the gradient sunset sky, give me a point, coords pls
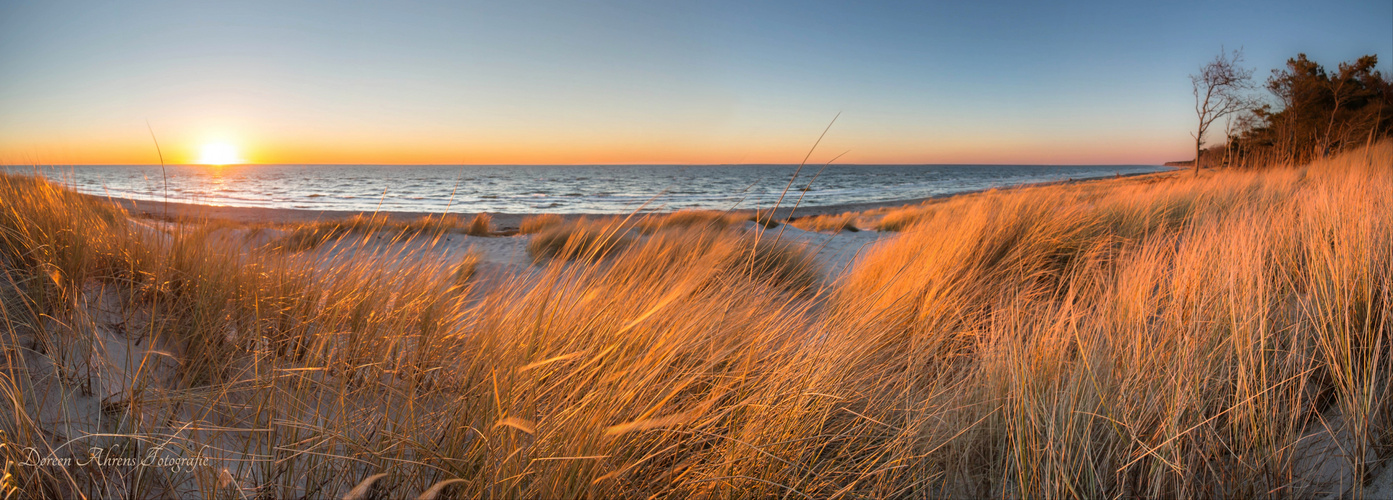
(640, 82)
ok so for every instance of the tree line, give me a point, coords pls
(1306, 112)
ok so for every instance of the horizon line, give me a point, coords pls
(569, 164)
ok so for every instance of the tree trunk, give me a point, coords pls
(1197, 157)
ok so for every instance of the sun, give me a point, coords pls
(219, 153)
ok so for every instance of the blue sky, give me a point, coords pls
(641, 82)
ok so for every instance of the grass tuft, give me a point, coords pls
(480, 225)
(310, 236)
(685, 219)
(827, 223)
(534, 224)
(583, 239)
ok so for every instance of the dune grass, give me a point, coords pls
(763, 218)
(467, 266)
(898, 219)
(832, 223)
(687, 219)
(312, 235)
(1225, 335)
(583, 239)
(533, 224)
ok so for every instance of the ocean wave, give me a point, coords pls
(521, 189)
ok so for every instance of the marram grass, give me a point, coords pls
(1219, 336)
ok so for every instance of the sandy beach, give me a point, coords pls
(504, 253)
(611, 340)
(669, 250)
(177, 210)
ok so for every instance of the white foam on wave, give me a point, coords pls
(562, 189)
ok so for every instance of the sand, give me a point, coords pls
(177, 210)
(505, 253)
(122, 364)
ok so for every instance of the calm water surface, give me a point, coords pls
(560, 189)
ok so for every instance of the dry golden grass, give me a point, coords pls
(898, 219)
(312, 235)
(467, 266)
(480, 225)
(583, 239)
(687, 219)
(827, 223)
(763, 218)
(1182, 337)
(725, 255)
(533, 224)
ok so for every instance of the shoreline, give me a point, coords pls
(180, 210)
(1049, 280)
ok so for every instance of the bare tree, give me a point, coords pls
(1220, 90)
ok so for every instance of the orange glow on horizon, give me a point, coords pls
(558, 149)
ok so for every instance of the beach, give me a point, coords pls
(504, 252)
(903, 338)
(708, 250)
(503, 221)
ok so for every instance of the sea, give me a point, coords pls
(551, 188)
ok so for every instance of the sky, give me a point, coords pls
(657, 82)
